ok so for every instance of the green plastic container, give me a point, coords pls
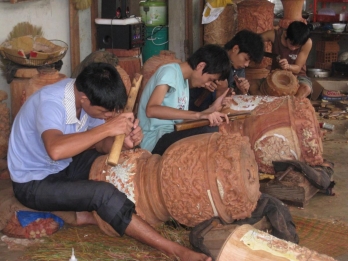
(156, 40)
(153, 12)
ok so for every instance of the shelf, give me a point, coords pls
(325, 18)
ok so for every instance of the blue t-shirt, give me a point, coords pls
(52, 107)
(177, 97)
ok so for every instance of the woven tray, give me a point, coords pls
(33, 51)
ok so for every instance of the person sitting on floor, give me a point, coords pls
(293, 45)
(244, 47)
(165, 98)
(56, 136)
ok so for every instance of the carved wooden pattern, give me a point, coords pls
(279, 83)
(223, 164)
(223, 28)
(256, 16)
(280, 128)
(176, 184)
(249, 243)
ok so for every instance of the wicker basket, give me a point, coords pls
(33, 51)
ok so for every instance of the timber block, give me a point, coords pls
(294, 189)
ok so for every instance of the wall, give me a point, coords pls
(53, 17)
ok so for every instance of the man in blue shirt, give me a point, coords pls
(55, 138)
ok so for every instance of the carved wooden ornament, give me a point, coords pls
(280, 128)
(197, 178)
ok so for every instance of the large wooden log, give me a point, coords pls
(196, 178)
(279, 128)
(250, 244)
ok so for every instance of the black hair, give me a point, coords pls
(103, 86)
(297, 33)
(215, 58)
(248, 42)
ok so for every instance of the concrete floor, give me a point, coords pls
(334, 208)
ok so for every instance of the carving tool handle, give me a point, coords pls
(119, 139)
(200, 123)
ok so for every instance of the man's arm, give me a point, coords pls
(268, 36)
(154, 109)
(301, 57)
(61, 146)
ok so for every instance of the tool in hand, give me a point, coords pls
(237, 81)
(275, 57)
(200, 123)
(119, 139)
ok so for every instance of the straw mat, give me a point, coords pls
(90, 243)
(325, 237)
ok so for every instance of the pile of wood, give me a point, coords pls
(333, 110)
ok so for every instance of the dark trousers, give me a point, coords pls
(71, 190)
(168, 139)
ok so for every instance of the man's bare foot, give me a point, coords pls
(188, 255)
(85, 218)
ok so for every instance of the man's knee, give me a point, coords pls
(303, 91)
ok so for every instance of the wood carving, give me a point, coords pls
(246, 243)
(292, 12)
(197, 178)
(222, 29)
(279, 128)
(279, 83)
(256, 16)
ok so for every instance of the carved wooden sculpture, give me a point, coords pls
(279, 83)
(256, 16)
(196, 178)
(279, 128)
(248, 244)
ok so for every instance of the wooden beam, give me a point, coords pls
(94, 15)
(188, 29)
(74, 36)
(201, 26)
